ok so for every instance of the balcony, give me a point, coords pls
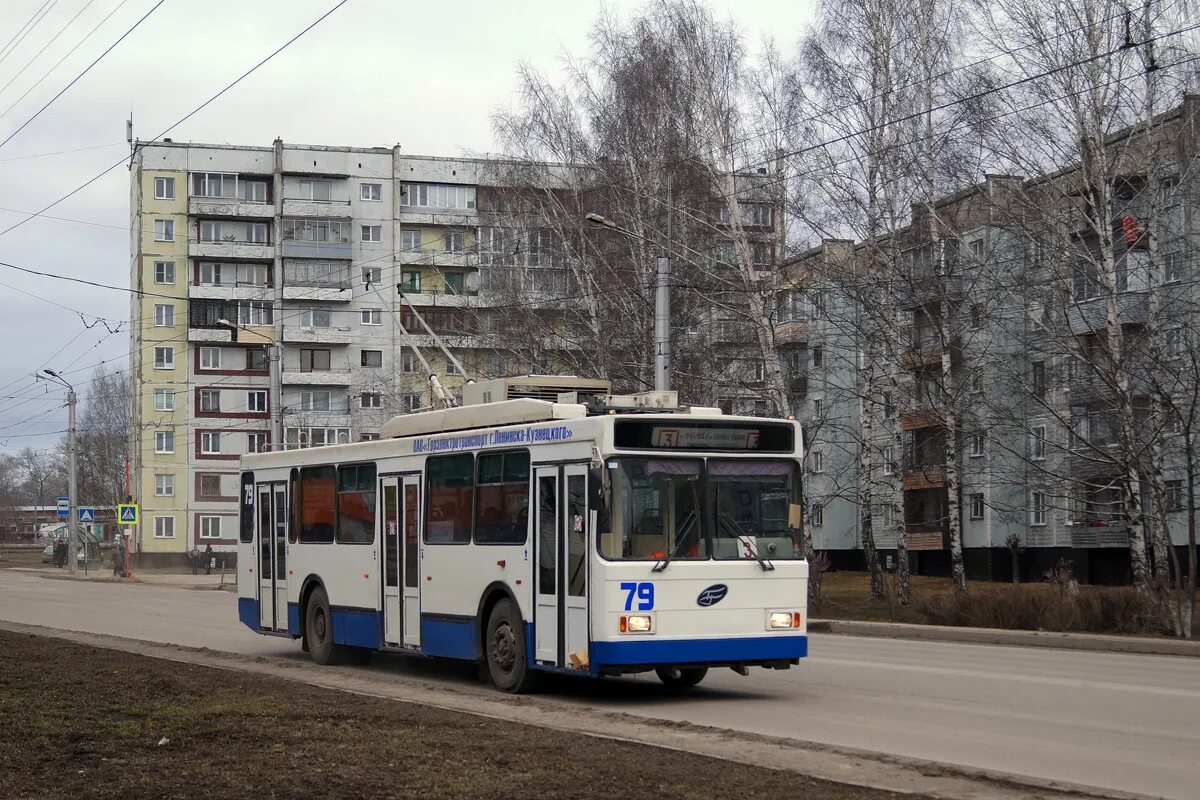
(224, 249)
(919, 418)
(922, 356)
(1099, 533)
(296, 248)
(798, 386)
(319, 293)
(327, 377)
(1092, 389)
(791, 334)
(305, 207)
(229, 207)
(917, 478)
(448, 299)
(437, 257)
(207, 335)
(1086, 316)
(1094, 462)
(301, 334)
(231, 291)
(922, 291)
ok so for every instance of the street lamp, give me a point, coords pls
(73, 500)
(662, 303)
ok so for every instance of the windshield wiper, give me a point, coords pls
(732, 526)
(680, 540)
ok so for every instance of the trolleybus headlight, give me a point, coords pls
(637, 623)
(783, 619)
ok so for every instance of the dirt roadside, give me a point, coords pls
(84, 721)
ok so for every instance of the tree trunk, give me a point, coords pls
(866, 478)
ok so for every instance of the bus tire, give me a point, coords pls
(318, 630)
(681, 678)
(504, 650)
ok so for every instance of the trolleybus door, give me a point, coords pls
(545, 533)
(393, 547)
(410, 514)
(561, 616)
(272, 556)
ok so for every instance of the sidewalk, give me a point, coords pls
(1063, 641)
(104, 575)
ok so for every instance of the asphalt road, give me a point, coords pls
(1117, 721)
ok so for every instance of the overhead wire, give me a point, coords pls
(53, 39)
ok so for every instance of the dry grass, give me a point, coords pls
(1031, 606)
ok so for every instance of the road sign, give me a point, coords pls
(127, 514)
(87, 515)
(64, 506)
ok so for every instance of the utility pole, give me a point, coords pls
(73, 499)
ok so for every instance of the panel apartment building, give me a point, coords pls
(264, 283)
(993, 333)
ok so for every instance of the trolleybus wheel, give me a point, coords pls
(318, 630)
(681, 678)
(504, 649)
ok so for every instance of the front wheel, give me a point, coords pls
(505, 650)
(681, 678)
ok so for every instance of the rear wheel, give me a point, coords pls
(318, 631)
(684, 678)
(504, 647)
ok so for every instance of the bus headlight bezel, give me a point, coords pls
(636, 624)
(783, 620)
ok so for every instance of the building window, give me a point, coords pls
(818, 461)
(371, 400)
(454, 242)
(977, 506)
(254, 192)
(1037, 508)
(164, 442)
(164, 400)
(164, 527)
(256, 402)
(411, 281)
(410, 241)
(1174, 342)
(164, 272)
(1173, 267)
(210, 358)
(409, 363)
(255, 312)
(889, 460)
(321, 400)
(164, 230)
(164, 315)
(372, 275)
(256, 443)
(314, 360)
(817, 515)
(371, 358)
(1174, 495)
(437, 195)
(164, 188)
(257, 359)
(977, 444)
(210, 485)
(371, 191)
(316, 230)
(210, 442)
(368, 437)
(817, 408)
(214, 184)
(372, 233)
(294, 438)
(316, 191)
(210, 527)
(164, 358)
(1037, 442)
(164, 485)
(1037, 379)
(372, 316)
(411, 402)
(316, 318)
(210, 400)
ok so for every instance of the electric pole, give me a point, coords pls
(73, 499)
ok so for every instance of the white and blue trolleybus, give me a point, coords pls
(613, 535)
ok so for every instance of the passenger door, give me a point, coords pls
(271, 546)
(561, 542)
(410, 513)
(393, 550)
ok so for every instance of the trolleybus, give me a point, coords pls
(598, 538)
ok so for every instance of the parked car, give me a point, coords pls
(48, 554)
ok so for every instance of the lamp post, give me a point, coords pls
(71, 486)
(662, 303)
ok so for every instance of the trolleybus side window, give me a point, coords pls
(318, 504)
(449, 500)
(502, 498)
(356, 504)
(294, 503)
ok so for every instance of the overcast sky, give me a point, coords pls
(375, 73)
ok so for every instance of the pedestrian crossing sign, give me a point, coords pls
(127, 513)
(87, 515)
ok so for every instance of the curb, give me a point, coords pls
(1054, 639)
